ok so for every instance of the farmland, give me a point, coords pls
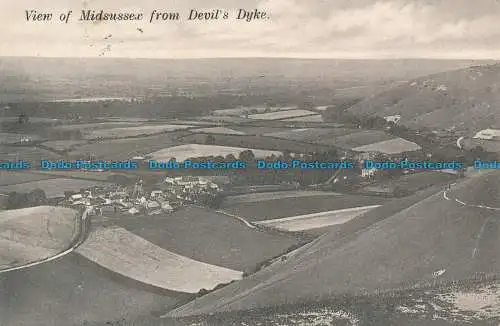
(413, 182)
(127, 254)
(391, 146)
(97, 125)
(278, 115)
(133, 131)
(309, 118)
(80, 290)
(63, 145)
(317, 220)
(259, 142)
(11, 138)
(52, 187)
(30, 154)
(218, 130)
(124, 149)
(183, 152)
(460, 243)
(12, 177)
(313, 135)
(213, 238)
(257, 197)
(292, 206)
(34, 233)
(358, 138)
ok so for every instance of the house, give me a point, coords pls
(393, 118)
(488, 134)
(76, 196)
(367, 173)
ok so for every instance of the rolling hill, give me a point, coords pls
(436, 238)
(465, 99)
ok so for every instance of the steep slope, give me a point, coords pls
(466, 99)
(438, 239)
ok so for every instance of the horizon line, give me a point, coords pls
(253, 57)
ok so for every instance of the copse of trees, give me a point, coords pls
(34, 198)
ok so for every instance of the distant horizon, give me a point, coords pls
(257, 57)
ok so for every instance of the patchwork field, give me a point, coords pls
(346, 138)
(260, 142)
(34, 233)
(133, 131)
(316, 220)
(210, 237)
(52, 187)
(293, 206)
(278, 115)
(183, 152)
(124, 149)
(218, 130)
(130, 255)
(391, 146)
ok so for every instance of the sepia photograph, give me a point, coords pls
(250, 163)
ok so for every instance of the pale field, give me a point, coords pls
(183, 152)
(52, 187)
(392, 146)
(130, 255)
(218, 130)
(34, 233)
(133, 131)
(281, 114)
(316, 220)
(309, 118)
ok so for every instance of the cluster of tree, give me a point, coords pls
(17, 200)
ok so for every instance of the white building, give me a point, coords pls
(393, 118)
(488, 134)
(367, 173)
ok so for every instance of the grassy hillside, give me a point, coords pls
(403, 249)
(466, 99)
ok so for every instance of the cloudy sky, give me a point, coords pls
(295, 28)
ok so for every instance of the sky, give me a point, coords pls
(464, 29)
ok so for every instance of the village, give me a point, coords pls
(166, 197)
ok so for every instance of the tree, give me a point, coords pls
(210, 140)
(16, 200)
(37, 197)
(22, 118)
(247, 156)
